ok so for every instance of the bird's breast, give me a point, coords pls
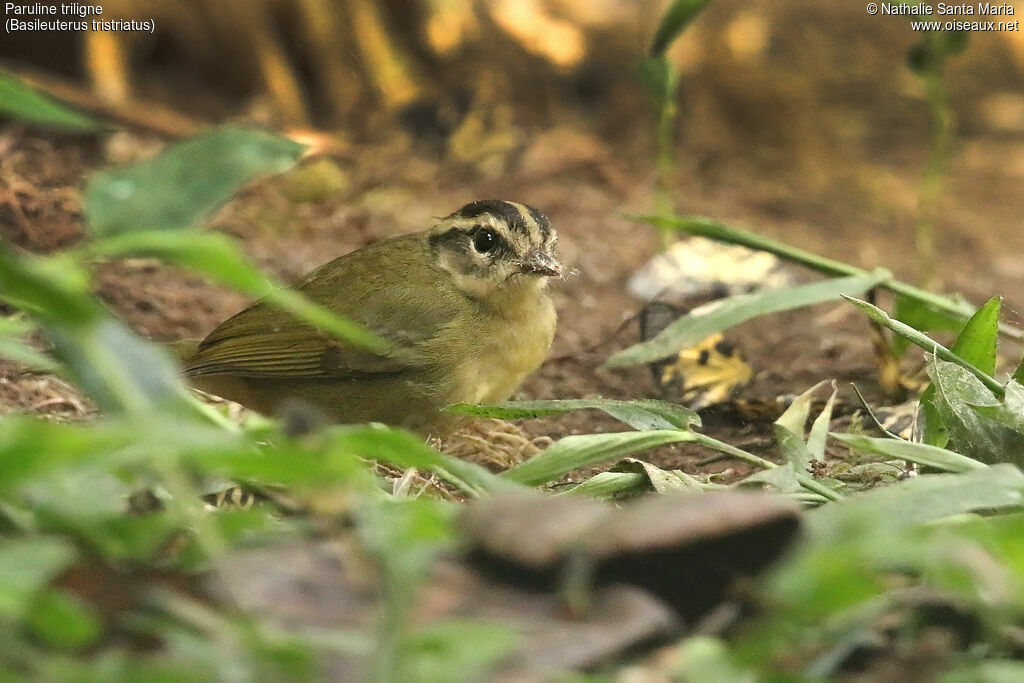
(501, 356)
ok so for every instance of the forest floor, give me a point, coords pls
(788, 148)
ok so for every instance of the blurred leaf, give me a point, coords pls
(659, 76)
(25, 104)
(643, 415)
(456, 650)
(404, 449)
(573, 452)
(927, 498)
(931, 53)
(13, 348)
(705, 659)
(26, 566)
(717, 316)
(216, 256)
(118, 370)
(922, 454)
(675, 20)
(31, 447)
(186, 182)
(934, 431)
(63, 621)
(987, 671)
(926, 343)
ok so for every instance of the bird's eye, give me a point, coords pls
(484, 240)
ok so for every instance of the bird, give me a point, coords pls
(464, 306)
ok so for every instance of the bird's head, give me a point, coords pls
(492, 245)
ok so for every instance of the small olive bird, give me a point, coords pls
(464, 306)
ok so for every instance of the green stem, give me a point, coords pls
(931, 184)
(665, 164)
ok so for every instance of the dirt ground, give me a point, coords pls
(829, 161)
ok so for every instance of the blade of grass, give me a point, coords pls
(920, 453)
(976, 343)
(404, 449)
(26, 104)
(643, 415)
(716, 316)
(573, 452)
(705, 227)
(675, 20)
(819, 430)
(925, 342)
(791, 426)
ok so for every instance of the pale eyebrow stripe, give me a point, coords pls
(529, 221)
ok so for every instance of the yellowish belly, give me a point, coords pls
(512, 350)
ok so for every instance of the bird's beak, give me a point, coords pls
(542, 263)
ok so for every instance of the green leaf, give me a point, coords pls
(404, 449)
(660, 480)
(610, 485)
(118, 370)
(958, 394)
(643, 415)
(25, 104)
(675, 20)
(182, 185)
(63, 621)
(703, 321)
(790, 428)
(26, 566)
(882, 318)
(13, 348)
(922, 454)
(660, 77)
(1018, 374)
(923, 317)
(976, 343)
(218, 257)
(456, 650)
(986, 671)
(708, 659)
(819, 430)
(573, 452)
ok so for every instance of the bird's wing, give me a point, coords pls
(380, 291)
